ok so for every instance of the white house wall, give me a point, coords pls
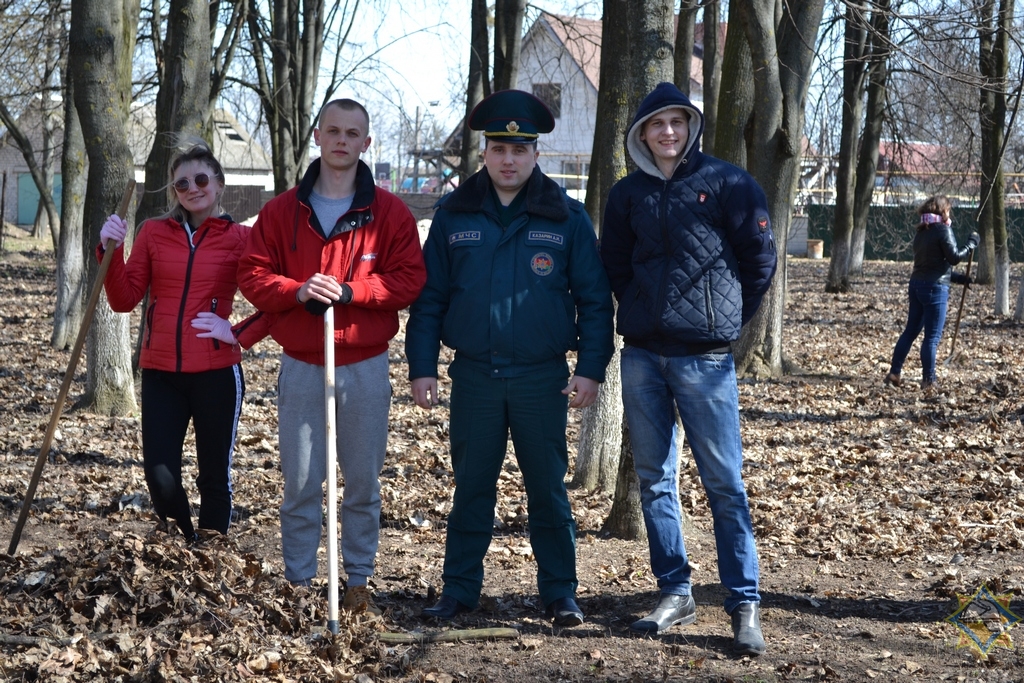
(543, 60)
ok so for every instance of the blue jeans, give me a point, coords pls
(703, 387)
(928, 312)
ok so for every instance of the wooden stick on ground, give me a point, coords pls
(465, 636)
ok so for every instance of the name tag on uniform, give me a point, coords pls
(464, 236)
(541, 236)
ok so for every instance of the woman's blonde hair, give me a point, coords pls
(197, 150)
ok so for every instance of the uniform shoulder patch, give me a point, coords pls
(464, 236)
(762, 223)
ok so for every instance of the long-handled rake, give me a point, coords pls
(332, 473)
(69, 374)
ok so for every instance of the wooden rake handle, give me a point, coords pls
(69, 374)
(960, 309)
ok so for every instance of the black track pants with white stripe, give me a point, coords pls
(212, 401)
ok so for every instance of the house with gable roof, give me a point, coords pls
(249, 180)
(560, 63)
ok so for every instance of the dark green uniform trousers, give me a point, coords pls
(484, 411)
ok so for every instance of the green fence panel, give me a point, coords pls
(891, 230)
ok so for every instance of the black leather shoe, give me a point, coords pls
(446, 608)
(746, 629)
(565, 612)
(671, 610)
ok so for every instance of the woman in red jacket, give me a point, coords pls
(191, 362)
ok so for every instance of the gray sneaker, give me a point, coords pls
(746, 629)
(671, 611)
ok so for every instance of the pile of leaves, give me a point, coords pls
(117, 605)
(871, 504)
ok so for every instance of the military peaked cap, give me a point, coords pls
(512, 116)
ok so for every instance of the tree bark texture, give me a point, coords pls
(71, 251)
(712, 73)
(874, 115)
(477, 87)
(736, 98)
(600, 442)
(626, 519)
(684, 44)
(101, 45)
(183, 104)
(854, 75)
(995, 23)
(781, 60)
(608, 161)
(508, 39)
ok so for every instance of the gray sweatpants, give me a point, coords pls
(363, 392)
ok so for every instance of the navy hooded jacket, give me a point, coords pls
(689, 257)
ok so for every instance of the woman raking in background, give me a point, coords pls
(935, 253)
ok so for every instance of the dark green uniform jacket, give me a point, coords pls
(512, 300)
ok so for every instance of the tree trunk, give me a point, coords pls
(71, 252)
(508, 38)
(684, 44)
(626, 519)
(712, 73)
(993, 256)
(736, 99)
(854, 52)
(287, 79)
(477, 88)
(608, 160)
(600, 442)
(1018, 310)
(782, 62)
(600, 433)
(102, 41)
(648, 34)
(874, 113)
(183, 102)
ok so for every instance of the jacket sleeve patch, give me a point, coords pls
(762, 223)
(464, 236)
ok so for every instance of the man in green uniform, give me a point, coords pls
(514, 281)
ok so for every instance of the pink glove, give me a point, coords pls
(113, 229)
(216, 327)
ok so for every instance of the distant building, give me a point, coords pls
(560, 63)
(247, 167)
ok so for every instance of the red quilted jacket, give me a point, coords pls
(380, 259)
(184, 278)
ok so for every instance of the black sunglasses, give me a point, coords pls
(182, 184)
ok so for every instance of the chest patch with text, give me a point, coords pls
(542, 236)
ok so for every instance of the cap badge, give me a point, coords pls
(512, 127)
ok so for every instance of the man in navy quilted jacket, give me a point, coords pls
(689, 251)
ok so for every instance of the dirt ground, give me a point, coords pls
(874, 508)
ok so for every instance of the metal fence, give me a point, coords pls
(890, 230)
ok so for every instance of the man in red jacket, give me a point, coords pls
(335, 239)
